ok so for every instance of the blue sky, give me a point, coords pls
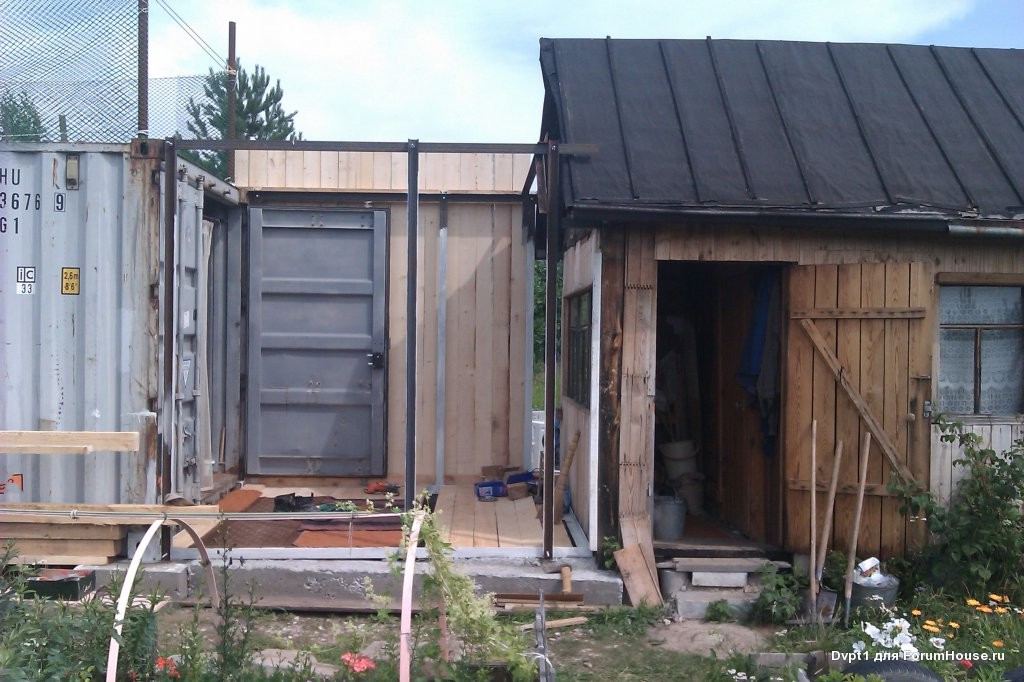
(467, 70)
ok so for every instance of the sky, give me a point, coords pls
(468, 70)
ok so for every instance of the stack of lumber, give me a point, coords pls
(64, 544)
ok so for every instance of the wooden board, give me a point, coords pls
(68, 442)
(61, 531)
(66, 547)
(68, 560)
(121, 514)
(636, 577)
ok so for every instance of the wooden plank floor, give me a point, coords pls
(470, 522)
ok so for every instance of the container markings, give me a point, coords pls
(26, 279)
(69, 281)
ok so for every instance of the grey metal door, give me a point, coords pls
(316, 342)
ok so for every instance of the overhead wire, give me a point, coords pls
(193, 34)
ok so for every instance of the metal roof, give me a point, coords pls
(788, 127)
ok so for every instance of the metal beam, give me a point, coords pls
(549, 348)
(412, 215)
(424, 148)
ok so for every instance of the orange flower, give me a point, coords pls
(997, 642)
(995, 597)
(1001, 609)
(930, 628)
(915, 612)
(167, 665)
(954, 624)
(983, 609)
(973, 602)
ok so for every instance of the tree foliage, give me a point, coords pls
(20, 120)
(259, 114)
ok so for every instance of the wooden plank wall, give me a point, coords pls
(486, 307)
(866, 268)
(945, 474)
(485, 337)
(379, 171)
(577, 276)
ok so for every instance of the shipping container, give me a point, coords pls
(117, 314)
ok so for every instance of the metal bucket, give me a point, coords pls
(669, 517)
(875, 596)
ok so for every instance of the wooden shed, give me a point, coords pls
(775, 233)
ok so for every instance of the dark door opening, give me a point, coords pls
(717, 398)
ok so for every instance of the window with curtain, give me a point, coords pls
(981, 350)
(577, 361)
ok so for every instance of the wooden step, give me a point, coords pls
(722, 565)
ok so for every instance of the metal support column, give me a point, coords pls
(413, 205)
(549, 349)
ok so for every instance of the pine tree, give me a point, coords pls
(259, 114)
(19, 119)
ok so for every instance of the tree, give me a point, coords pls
(259, 114)
(19, 118)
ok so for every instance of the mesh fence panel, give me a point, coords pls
(79, 59)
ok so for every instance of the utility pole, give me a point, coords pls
(232, 79)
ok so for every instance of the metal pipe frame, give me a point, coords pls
(549, 348)
(424, 147)
(165, 433)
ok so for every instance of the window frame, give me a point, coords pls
(578, 339)
(978, 328)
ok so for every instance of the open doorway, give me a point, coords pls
(717, 399)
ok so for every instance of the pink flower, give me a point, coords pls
(357, 663)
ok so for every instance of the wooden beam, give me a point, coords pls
(68, 442)
(981, 278)
(888, 449)
(875, 489)
(119, 514)
(858, 313)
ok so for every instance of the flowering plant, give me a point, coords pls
(357, 663)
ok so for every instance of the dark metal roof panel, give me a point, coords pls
(712, 151)
(910, 164)
(786, 125)
(760, 133)
(828, 144)
(586, 104)
(658, 159)
(955, 134)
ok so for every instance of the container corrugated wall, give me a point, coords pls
(78, 315)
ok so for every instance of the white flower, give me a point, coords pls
(859, 646)
(938, 642)
(872, 631)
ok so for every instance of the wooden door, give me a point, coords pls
(858, 360)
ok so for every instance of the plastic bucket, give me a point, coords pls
(883, 594)
(680, 458)
(669, 517)
(693, 492)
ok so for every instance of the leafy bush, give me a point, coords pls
(779, 600)
(978, 540)
(719, 611)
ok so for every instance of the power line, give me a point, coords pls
(193, 34)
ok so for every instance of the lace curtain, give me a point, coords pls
(1001, 350)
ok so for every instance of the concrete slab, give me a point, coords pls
(718, 579)
(692, 604)
(169, 579)
(340, 585)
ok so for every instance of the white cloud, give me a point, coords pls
(459, 70)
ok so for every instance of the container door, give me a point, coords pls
(189, 276)
(316, 356)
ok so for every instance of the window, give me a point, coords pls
(981, 350)
(577, 379)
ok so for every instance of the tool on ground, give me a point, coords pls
(564, 569)
(855, 534)
(830, 506)
(812, 578)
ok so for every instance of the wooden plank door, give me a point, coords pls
(858, 360)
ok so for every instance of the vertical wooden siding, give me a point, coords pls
(485, 337)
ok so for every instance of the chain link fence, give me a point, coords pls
(76, 61)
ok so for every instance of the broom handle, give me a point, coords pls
(852, 558)
(814, 512)
(830, 505)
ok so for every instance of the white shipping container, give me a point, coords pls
(82, 317)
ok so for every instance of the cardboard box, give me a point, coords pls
(517, 491)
